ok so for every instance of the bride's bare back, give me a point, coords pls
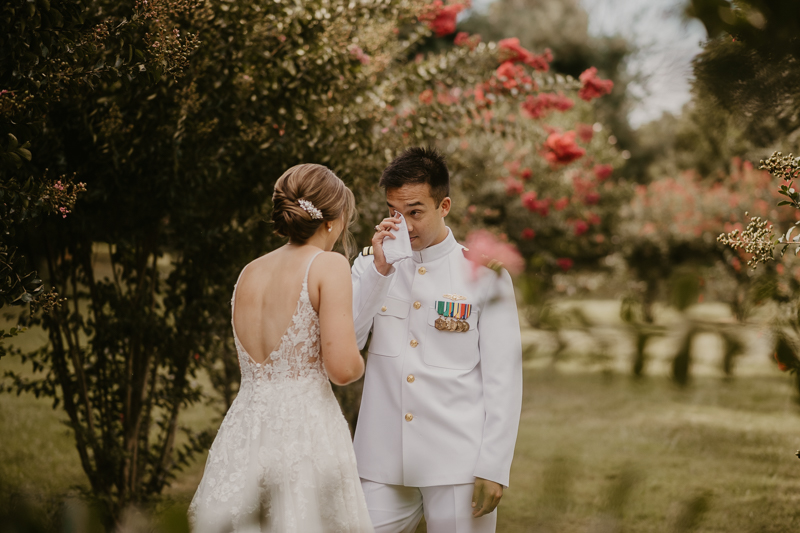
(266, 299)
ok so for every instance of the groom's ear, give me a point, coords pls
(444, 207)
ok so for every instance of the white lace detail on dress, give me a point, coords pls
(297, 355)
(283, 459)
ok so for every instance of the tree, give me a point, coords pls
(563, 27)
(51, 51)
(749, 65)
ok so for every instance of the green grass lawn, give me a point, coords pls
(596, 452)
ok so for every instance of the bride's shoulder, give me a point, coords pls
(331, 262)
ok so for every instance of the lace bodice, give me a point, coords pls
(297, 356)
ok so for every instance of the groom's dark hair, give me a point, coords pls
(419, 165)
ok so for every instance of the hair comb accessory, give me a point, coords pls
(309, 208)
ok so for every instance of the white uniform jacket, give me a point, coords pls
(439, 407)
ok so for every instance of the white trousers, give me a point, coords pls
(447, 509)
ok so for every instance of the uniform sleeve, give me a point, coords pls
(369, 291)
(501, 369)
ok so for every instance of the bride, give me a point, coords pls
(283, 460)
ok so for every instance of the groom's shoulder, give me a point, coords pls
(363, 259)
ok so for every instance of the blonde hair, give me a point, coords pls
(320, 186)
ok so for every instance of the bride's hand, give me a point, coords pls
(382, 231)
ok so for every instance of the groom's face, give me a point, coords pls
(424, 218)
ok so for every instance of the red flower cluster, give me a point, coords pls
(564, 263)
(465, 39)
(511, 50)
(513, 187)
(592, 86)
(534, 205)
(512, 76)
(359, 54)
(441, 18)
(602, 172)
(514, 169)
(562, 149)
(528, 234)
(585, 132)
(541, 104)
(579, 227)
(585, 189)
(561, 204)
(426, 97)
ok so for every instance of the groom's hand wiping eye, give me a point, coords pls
(382, 231)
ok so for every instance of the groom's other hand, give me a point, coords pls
(382, 231)
(485, 496)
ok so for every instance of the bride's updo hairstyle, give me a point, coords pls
(326, 192)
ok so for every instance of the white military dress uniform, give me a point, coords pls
(439, 408)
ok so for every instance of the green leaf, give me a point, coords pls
(12, 143)
(784, 202)
(24, 153)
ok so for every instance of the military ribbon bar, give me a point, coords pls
(454, 310)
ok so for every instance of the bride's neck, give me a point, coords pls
(316, 240)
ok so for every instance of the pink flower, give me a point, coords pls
(513, 187)
(564, 263)
(446, 98)
(542, 207)
(562, 148)
(540, 62)
(593, 87)
(480, 98)
(441, 18)
(539, 105)
(465, 39)
(602, 172)
(426, 97)
(528, 234)
(526, 174)
(510, 50)
(579, 227)
(591, 198)
(585, 132)
(484, 249)
(359, 54)
(529, 200)
(510, 75)
(561, 204)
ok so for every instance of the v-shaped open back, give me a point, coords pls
(297, 352)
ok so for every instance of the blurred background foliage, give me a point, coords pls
(140, 142)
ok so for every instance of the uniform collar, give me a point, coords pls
(437, 251)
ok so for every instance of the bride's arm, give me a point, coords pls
(340, 354)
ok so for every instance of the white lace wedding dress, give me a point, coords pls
(283, 460)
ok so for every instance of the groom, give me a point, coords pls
(441, 403)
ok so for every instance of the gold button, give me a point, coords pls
(417, 305)
(422, 270)
(410, 378)
(409, 417)
(383, 308)
(414, 343)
